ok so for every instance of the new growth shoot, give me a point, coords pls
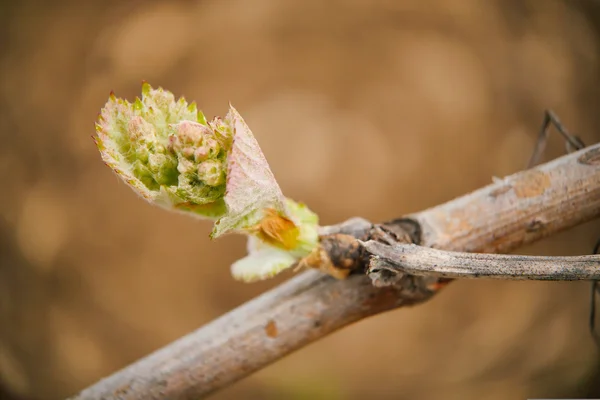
(172, 156)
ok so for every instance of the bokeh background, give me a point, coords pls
(363, 108)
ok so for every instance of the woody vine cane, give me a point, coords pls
(511, 212)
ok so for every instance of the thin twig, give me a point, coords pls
(573, 143)
(511, 212)
(411, 259)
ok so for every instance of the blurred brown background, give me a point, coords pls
(370, 108)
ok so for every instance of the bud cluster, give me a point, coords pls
(172, 156)
(165, 149)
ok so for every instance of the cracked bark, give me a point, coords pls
(395, 260)
(498, 218)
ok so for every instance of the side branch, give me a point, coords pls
(511, 212)
(401, 258)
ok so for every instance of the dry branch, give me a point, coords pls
(509, 213)
(403, 258)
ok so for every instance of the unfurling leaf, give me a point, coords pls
(168, 153)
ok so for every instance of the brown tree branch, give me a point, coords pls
(403, 258)
(511, 212)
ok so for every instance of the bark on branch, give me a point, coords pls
(402, 258)
(498, 218)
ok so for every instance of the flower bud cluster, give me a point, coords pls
(167, 152)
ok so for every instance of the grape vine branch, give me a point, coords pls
(498, 218)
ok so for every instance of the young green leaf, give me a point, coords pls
(168, 153)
